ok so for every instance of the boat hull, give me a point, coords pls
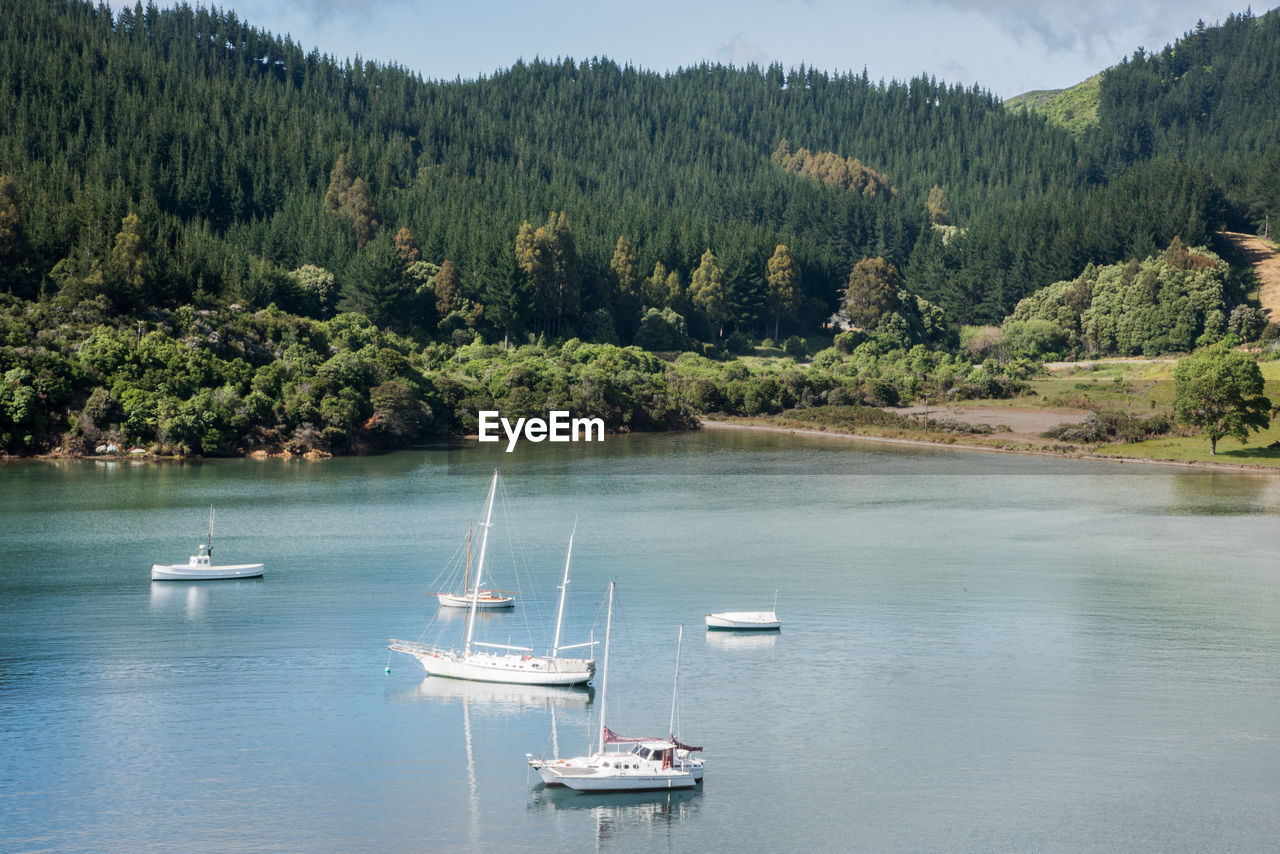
(506, 668)
(693, 766)
(190, 572)
(484, 602)
(595, 778)
(740, 621)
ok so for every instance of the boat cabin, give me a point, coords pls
(655, 751)
(201, 558)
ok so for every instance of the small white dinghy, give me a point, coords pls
(741, 621)
(200, 567)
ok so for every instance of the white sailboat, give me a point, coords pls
(649, 764)
(488, 600)
(487, 662)
(746, 620)
(200, 566)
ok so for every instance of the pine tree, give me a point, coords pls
(626, 294)
(548, 256)
(655, 287)
(872, 291)
(447, 284)
(349, 196)
(707, 291)
(566, 267)
(130, 266)
(10, 219)
(16, 274)
(677, 295)
(938, 210)
(373, 285)
(783, 277)
(360, 210)
(407, 247)
(340, 180)
(623, 267)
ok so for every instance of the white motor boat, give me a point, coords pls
(746, 620)
(200, 566)
(649, 764)
(510, 664)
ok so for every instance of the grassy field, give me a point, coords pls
(1196, 449)
(1145, 388)
(1140, 388)
(1152, 387)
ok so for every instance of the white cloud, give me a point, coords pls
(739, 51)
(348, 12)
(1087, 26)
(955, 72)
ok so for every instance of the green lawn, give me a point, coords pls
(1143, 389)
(1155, 383)
(1139, 388)
(1196, 448)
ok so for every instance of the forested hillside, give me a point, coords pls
(222, 138)
(1075, 109)
(157, 159)
(1212, 99)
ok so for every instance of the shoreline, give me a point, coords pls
(708, 424)
(1234, 468)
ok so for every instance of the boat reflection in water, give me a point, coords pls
(195, 597)
(618, 813)
(742, 641)
(505, 699)
(501, 695)
(455, 615)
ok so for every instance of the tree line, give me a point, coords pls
(166, 166)
(223, 141)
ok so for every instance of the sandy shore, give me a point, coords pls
(1023, 425)
(1038, 452)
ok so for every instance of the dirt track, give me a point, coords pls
(1024, 424)
(1266, 265)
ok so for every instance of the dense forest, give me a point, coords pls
(1170, 303)
(158, 166)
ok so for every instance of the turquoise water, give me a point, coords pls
(979, 652)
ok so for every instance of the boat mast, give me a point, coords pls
(675, 685)
(484, 542)
(604, 671)
(209, 546)
(555, 644)
(466, 575)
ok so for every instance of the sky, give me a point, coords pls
(1006, 46)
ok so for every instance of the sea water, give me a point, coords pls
(979, 652)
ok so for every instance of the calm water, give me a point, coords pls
(980, 653)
